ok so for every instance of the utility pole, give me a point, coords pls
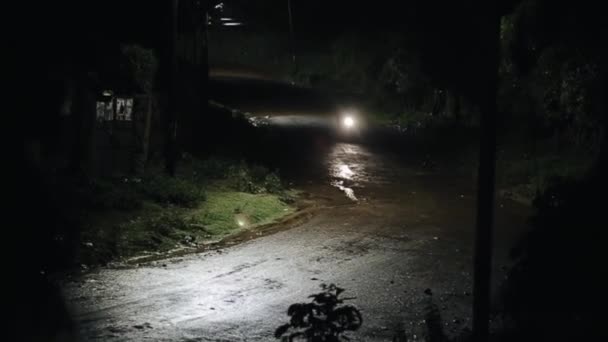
(489, 24)
(202, 59)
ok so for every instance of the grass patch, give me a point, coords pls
(227, 212)
(155, 228)
(208, 200)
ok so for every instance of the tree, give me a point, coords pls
(188, 74)
(142, 67)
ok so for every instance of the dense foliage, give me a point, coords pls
(325, 319)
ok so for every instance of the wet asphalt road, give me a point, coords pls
(387, 230)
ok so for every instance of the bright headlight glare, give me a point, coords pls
(348, 121)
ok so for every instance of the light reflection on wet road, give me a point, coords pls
(402, 230)
(353, 167)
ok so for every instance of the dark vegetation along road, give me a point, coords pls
(394, 230)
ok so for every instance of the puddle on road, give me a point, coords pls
(357, 172)
(343, 172)
(350, 193)
(345, 166)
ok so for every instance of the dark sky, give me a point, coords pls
(313, 16)
(319, 15)
(84, 30)
(73, 22)
(69, 23)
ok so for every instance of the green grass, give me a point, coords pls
(207, 201)
(157, 228)
(228, 211)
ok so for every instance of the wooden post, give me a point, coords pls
(147, 133)
(203, 65)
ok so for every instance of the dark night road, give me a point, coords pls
(386, 230)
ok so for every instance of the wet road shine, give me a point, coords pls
(388, 230)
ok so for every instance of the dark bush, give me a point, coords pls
(105, 195)
(557, 289)
(258, 173)
(273, 184)
(241, 176)
(166, 223)
(166, 190)
(211, 168)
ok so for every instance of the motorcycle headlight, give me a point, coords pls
(348, 122)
